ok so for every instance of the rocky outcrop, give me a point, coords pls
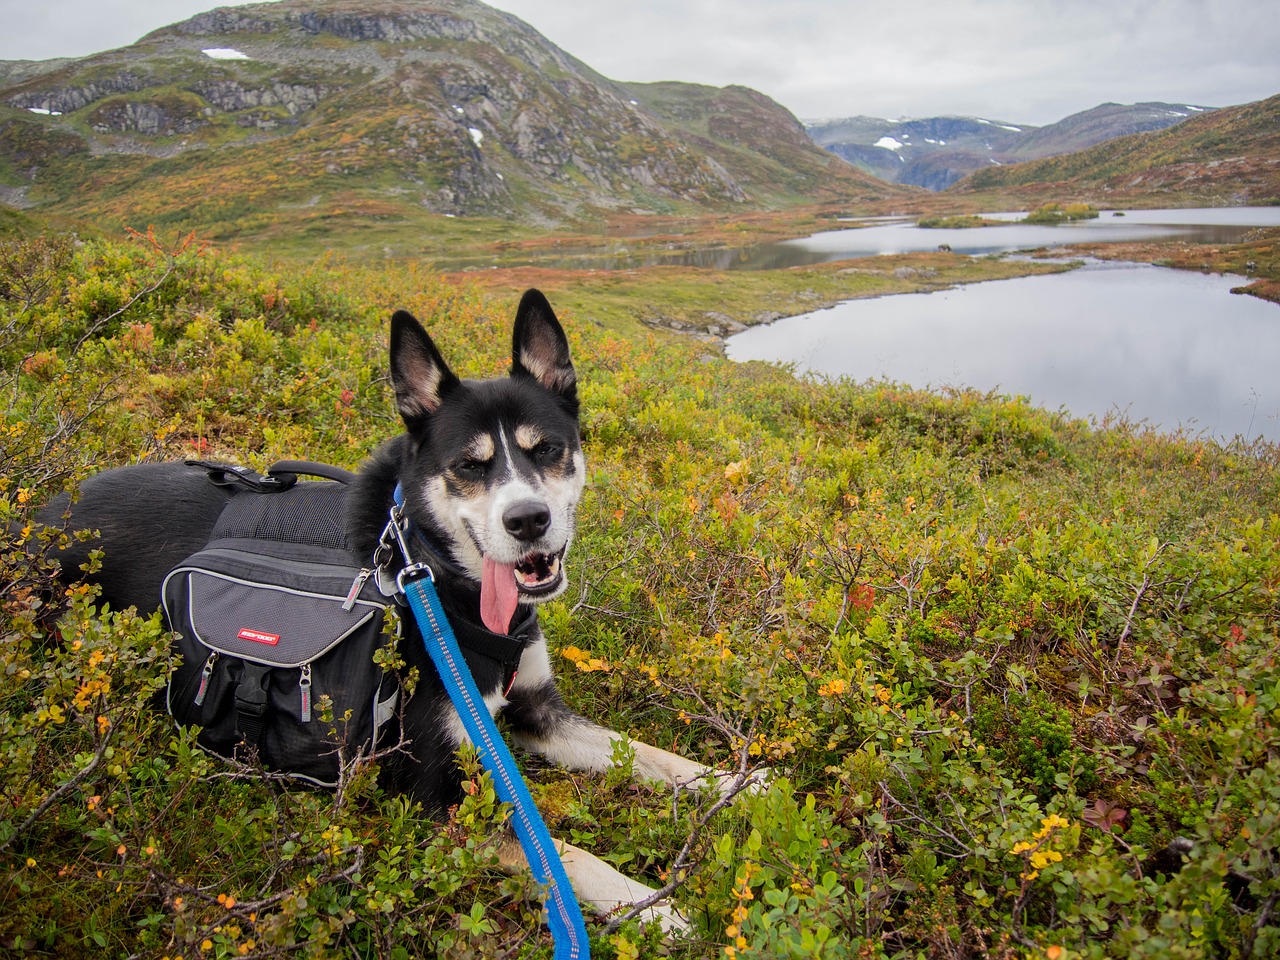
(152, 118)
(232, 95)
(387, 28)
(451, 105)
(46, 94)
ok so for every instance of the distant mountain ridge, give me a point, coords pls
(936, 152)
(387, 107)
(1226, 156)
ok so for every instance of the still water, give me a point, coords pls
(1172, 348)
(874, 237)
(1209, 225)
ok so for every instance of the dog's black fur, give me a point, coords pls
(489, 469)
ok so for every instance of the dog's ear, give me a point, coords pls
(539, 348)
(418, 372)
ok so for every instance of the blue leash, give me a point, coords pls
(564, 916)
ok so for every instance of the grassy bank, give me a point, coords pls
(1257, 258)
(1016, 677)
(716, 302)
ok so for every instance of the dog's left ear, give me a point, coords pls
(418, 372)
(539, 348)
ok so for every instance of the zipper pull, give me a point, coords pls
(356, 586)
(205, 674)
(304, 688)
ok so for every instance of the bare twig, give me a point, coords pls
(83, 774)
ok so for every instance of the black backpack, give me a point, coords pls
(278, 629)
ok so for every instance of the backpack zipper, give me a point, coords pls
(304, 687)
(205, 674)
(356, 586)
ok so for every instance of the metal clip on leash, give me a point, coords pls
(417, 582)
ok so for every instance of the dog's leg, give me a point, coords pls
(575, 742)
(600, 887)
(541, 723)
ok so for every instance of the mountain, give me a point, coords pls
(931, 153)
(936, 152)
(1227, 156)
(244, 118)
(765, 146)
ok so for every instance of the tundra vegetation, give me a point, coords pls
(1015, 674)
(1050, 214)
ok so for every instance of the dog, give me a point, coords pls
(491, 473)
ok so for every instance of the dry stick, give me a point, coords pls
(245, 908)
(1137, 599)
(57, 794)
(743, 780)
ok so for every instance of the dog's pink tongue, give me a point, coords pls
(498, 595)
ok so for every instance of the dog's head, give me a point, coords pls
(495, 466)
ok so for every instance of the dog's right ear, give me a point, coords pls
(418, 372)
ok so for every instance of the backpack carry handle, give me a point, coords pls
(281, 475)
(287, 471)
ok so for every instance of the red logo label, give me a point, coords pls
(257, 636)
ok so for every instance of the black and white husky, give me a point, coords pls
(491, 473)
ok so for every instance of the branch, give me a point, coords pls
(743, 779)
(57, 794)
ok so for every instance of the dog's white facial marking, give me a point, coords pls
(445, 508)
(492, 474)
(518, 484)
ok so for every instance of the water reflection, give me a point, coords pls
(1169, 347)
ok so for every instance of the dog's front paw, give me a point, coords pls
(734, 783)
(671, 920)
(758, 780)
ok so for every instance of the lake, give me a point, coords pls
(1172, 348)
(878, 236)
(1208, 225)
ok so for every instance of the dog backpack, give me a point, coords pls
(278, 630)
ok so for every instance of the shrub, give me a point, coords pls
(1017, 678)
(1055, 213)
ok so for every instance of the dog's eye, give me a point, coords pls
(546, 451)
(471, 467)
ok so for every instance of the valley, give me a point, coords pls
(1013, 666)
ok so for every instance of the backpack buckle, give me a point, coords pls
(251, 702)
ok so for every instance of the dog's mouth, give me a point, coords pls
(539, 573)
(503, 586)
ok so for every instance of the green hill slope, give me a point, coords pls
(313, 113)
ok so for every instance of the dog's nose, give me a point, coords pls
(527, 520)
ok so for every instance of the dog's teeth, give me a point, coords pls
(536, 571)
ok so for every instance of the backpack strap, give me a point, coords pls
(281, 475)
(232, 475)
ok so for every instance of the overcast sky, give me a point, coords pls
(1024, 61)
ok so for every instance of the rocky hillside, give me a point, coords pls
(241, 114)
(936, 152)
(744, 131)
(1227, 156)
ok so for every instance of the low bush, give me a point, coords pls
(1054, 213)
(1016, 677)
